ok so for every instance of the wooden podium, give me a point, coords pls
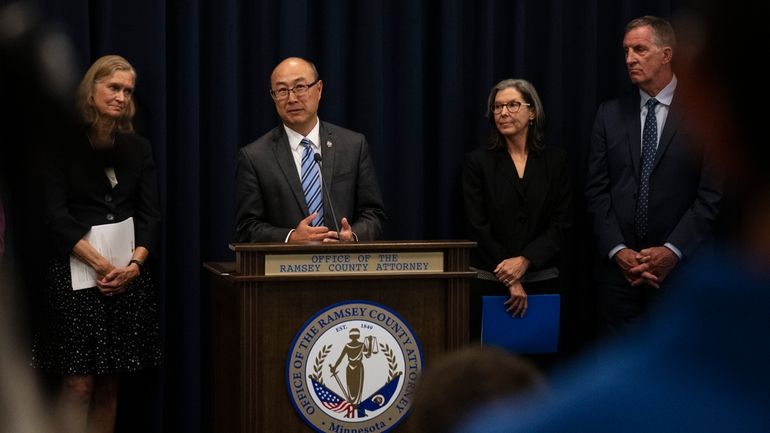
(257, 308)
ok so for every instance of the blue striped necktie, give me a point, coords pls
(311, 183)
(649, 147)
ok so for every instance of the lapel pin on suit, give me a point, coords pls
(328, 143)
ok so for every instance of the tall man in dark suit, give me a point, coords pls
(653, 193)
(271, 204)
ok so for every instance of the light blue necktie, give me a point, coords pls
(311, 183)
(649, 147)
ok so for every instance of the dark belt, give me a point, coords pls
(529, 277)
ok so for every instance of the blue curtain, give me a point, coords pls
(413, 76)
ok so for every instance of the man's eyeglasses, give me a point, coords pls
(513, 107)
(299, 90)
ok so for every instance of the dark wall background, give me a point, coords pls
(413, 76)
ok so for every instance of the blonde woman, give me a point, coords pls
(95, 334)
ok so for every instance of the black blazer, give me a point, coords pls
(685, 184)
(79, 195)
(509, 217)
(269, 198)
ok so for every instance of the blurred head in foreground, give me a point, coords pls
(460, 382)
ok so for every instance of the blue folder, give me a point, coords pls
(536, 332)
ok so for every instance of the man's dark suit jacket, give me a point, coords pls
(685, 184)
(269, 197)
(79, 195)
(508, 217)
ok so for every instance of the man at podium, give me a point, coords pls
(290, 181)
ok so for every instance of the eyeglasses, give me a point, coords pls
(513, 107)
(299, 90)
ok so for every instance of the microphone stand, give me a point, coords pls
(317, 158)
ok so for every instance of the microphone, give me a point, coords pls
(317, 158)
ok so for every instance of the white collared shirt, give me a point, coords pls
(664, 98)
(296, 148)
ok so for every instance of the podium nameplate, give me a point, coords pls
(354, 263)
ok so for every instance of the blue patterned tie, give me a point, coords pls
(311, 183)
(649, 146)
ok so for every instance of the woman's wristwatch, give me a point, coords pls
(139, 263)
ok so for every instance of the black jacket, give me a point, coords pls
(509, 217)
(79, 195)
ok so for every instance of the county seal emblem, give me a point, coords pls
(352, 368)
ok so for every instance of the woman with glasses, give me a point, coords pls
(517, 200)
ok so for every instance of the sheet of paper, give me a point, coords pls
(113, 241)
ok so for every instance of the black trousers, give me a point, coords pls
(622, 307)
